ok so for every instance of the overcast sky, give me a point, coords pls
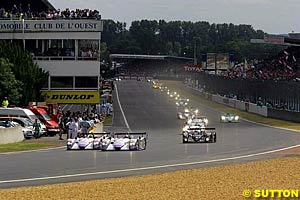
(272, 16)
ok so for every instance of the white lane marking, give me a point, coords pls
(286, 129)
(147, 168)
(258, 123)
(29, 151)
(125, 120)
(65, 105)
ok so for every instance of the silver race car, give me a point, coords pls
(89, 142)
(173, 94)
(181, 102)
(198, 119)
(187, 113)
(228, 117)
(124, 142)
(199, 134)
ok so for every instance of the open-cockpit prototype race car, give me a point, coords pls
(124, 142)
(181, 101)
(91, 141)
(187, 113)
(198, 120)
(195, 133)
(228, 117)
(173, 94)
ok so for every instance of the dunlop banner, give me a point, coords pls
(72, 97)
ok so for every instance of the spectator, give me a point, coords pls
(5, 102)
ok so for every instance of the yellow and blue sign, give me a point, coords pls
(72, 97)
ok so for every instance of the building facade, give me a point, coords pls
(68, 48)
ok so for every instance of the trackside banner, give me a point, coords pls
(72, 97)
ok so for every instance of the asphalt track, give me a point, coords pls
(152, 111)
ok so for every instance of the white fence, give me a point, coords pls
(246, 106)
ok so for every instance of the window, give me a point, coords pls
(61, 82)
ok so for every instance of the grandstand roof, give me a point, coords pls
(146, 57)
(282, 40)
(37, 5)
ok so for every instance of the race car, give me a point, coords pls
(181, 101)
(187, 113)
(199, 134)
(198, 120)
(124, 142)
(86, 142)
(163, 88)
(157, 85)
(173, 95)
(228, 117)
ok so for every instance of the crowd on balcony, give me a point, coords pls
(26, 12)
(284, 66)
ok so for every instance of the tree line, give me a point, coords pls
(183, 38)
(20, 78)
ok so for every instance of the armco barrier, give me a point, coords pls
(261, 110)
(240, 105)
(217, 98)
(11, 135)
(250, 107)
(284, 115)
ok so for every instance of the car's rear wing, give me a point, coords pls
(95, 135)
(208, 130)
(142, 134)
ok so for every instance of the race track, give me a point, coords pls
(147, 110)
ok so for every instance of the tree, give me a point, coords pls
(10, 87)
(25, 70)
(180, 37)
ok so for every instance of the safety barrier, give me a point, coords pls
(11, 135)
(284, 114)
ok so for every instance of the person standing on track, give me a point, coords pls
(73, 129)
(37, 128)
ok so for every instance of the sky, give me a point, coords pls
(271, 16)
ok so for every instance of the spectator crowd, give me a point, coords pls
(79, 123)
(284, 66)
(26, 12)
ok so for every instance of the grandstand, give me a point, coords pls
(40, 5)
(151, 65)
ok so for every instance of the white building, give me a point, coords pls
(68, 48)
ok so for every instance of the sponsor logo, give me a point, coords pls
(72, 97)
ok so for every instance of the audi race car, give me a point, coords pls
(199, 134)
(124, 142)
(88, 142)
(228, 117)
(182, 101)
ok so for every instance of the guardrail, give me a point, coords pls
(11, 135)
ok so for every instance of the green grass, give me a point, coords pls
(181, 89)
(23, 146)
(108, 121)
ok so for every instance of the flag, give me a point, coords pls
(246, 64)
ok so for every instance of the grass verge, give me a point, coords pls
(222, 182)
(24, 146)
(182, 90)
